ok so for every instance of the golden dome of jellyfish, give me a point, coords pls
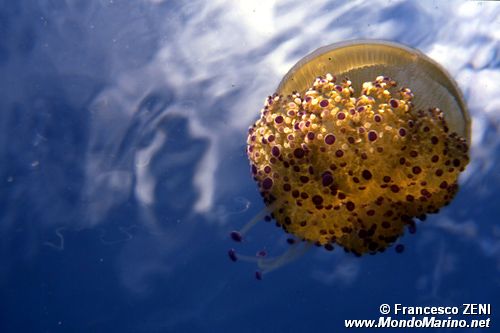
(358, 140)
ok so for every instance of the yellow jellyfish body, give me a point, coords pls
(359, 139)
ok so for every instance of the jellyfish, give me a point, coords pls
(359, 140)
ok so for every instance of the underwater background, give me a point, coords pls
(123, 167)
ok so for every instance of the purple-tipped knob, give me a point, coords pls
(258, 275)
(236, 236)
(232, 255)
(400, 248)
(261, 253)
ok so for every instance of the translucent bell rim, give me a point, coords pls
(364, 60)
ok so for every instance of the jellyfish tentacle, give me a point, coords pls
(295, 251)
(238, 235)
(269, 264)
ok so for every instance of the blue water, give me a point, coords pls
(123, 167)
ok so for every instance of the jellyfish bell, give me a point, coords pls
(359, 139)
(364, 60)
